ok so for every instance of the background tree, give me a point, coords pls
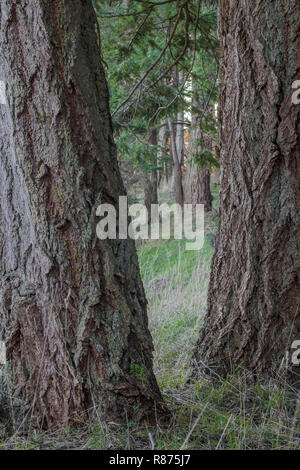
(203, 139)
(150, 73)
(151, 178)
(254, 296)
(73, 309)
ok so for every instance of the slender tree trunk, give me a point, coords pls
(180, 137)
(200, 189)
(162, 143)
(180, 126)
(167, 172)
(197, 184)
(72, 307)
(254, 295)
(151, 196)
(197, 181)
(215, 176)
(178, 188)
(151, 179)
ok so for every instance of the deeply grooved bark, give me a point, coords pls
(72, 307)
(254, 295)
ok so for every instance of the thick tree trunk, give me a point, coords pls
(254, 296)
(73, 309)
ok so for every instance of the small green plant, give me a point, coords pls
(139, 372)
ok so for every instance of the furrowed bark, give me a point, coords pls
(72, 307)
(254, 295)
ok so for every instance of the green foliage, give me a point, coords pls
(137, 371)
(139, 153)
(145, 47)
(206, 158)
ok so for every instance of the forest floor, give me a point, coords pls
(230, 415)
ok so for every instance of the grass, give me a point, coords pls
(233, 414)
(176, 285)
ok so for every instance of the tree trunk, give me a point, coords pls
(254, 295)
(215, 176)
(73, 309)
(180, 125)
(178, 188)
(200, 189)
(151, 179)
(197, 181)
(151, 196)
(162, 140)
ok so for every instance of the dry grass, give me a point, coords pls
(232, 415)
(176, 309)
